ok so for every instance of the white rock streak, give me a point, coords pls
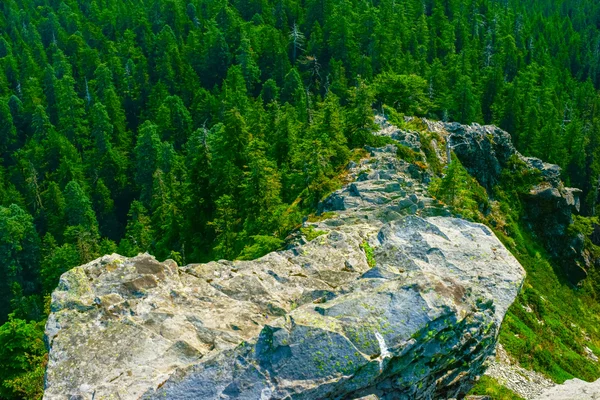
(383, 348)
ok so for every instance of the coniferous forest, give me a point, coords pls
(206, 129)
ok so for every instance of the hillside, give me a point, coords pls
(382, 293)
(375, 296)
(206, 129)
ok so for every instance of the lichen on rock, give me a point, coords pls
(415, 318)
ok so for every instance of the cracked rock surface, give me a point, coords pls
(574, 389)
(394, 299)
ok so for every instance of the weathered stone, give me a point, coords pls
(549, 211)
(312, 322)
(574, 389)
(485, 151)
(550, 172)
(409, 139)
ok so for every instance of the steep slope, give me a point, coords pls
(392, 297)
(487, 151)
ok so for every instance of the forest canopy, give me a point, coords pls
(205, 129)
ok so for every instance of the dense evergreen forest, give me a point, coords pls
(206, 129)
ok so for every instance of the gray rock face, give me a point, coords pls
(395, 300)
(410, 139)
(485, 151)
(549, 210)
(574, 389)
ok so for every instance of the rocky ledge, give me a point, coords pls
(392, 299)
(574, 389)
(486, 151)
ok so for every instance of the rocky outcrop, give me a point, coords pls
(483, 150)
(549, 206)
(393, 299)
(574, 389)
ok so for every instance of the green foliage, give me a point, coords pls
(461, 191)
(23, 359)
(138, 234)
(225, 225)
(360, 121)
(19, 254)
(407, 154)
(583, 225)
(406, 93)
(487, 386)
(56, 261)
(369, 253)
(261, 246)
(311, 233)
(393, 117)
(380, 141)
(198, 131)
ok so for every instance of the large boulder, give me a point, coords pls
(387, 301)
(548, 207)
(419, 324)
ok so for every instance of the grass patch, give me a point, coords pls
(407, 154)
(551, 338)
(488, 386)
(380, 141)
(322, 217)
(310, 233)
(369, 253)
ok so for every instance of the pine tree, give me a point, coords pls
(294, 93)
(107, 95)
(57, 260)
(146, 155)
(19, 254)
(174, 121)
(72, 120)
(200, 206)
(139, 234)
(246, 59)
(360, 120)
(8, 132)
(226, 225)
(101, 131)
(261, 190)
(217, 58)
(166, 215)
(54, 210)
(82, 225)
